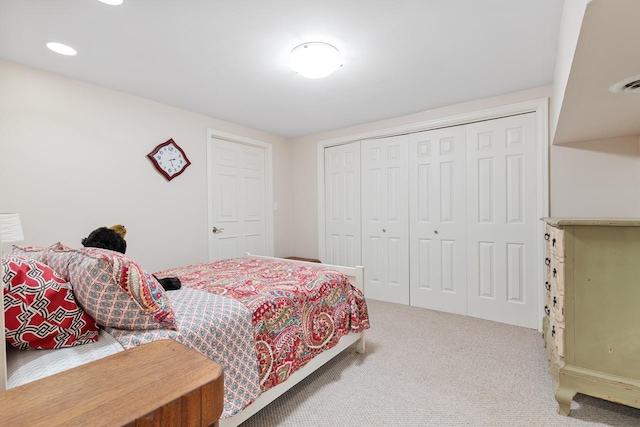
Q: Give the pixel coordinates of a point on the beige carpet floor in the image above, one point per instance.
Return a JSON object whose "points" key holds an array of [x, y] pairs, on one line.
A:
{"points": [[427, 368]]}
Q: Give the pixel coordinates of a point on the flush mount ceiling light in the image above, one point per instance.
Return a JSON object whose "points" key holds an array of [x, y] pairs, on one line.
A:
{"points": [[630, 84], [315, 60], [112, 2], [62, 49]]}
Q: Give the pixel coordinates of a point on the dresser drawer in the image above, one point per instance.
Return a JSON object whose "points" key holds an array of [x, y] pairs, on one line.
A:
{"points": [[547, 299], [557, 336], [556, 275], [556, 241], [556, 304], [548, 232]]}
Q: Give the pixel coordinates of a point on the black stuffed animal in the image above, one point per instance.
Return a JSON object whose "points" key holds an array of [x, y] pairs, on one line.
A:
{"points": [[112, 238], [169, 283], [107, 238]]}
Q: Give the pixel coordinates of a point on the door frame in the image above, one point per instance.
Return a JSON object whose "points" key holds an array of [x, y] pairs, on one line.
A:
{"points": [[539, 106], [268, 167]]}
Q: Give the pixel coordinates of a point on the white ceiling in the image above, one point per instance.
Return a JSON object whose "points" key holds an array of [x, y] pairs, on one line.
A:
{"points": [[228, 59]]}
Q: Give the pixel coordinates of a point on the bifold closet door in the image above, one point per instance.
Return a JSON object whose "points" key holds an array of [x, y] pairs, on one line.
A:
{"points": [[342, 205], [438, 219], [385, 219], [502, 223]]}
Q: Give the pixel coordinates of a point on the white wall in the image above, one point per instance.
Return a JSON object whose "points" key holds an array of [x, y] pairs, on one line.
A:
{"points": [[304, 157], [596, 178], [73, 158], [572, 15]]}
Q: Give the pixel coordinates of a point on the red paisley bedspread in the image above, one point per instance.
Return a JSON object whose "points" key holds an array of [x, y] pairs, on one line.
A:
{"points": [[298, 311]]}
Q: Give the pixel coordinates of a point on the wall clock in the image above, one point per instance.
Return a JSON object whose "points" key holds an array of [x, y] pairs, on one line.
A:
{"points": [[169, 159]]}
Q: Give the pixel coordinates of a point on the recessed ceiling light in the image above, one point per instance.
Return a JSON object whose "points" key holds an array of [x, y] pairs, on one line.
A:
{"points": [[112, 2], [315, 60], [62, 49]]}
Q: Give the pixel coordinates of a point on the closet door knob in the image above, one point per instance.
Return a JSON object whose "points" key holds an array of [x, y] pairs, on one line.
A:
{"points": [[546, 310], [547, 261], [546, 236], [547, 285]]}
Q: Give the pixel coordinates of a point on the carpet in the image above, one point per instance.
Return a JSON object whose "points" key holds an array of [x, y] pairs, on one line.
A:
{"points": [[428, 368]]}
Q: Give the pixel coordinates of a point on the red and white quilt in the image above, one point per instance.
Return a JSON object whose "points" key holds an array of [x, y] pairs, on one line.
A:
{"points": [[298, 311]]}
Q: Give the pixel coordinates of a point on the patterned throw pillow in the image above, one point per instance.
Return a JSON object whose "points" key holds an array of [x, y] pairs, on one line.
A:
{"points": [[37, 253], [40, 309], [114, 289]]}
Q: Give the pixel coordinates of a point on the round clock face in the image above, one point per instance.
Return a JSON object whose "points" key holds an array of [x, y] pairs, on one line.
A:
{"points": [[169, 159]]}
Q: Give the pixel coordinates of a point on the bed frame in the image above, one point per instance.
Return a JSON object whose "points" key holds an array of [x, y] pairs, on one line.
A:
{"points": [[355, 276]]}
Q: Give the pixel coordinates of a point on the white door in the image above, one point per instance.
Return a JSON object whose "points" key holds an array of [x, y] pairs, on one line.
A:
{"points": [[385, 219], [502, 220], [342, 205], [438, 219], [237, 200]]}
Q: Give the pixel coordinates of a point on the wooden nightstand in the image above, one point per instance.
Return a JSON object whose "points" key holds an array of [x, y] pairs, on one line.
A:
{"points": [[162, 383]]}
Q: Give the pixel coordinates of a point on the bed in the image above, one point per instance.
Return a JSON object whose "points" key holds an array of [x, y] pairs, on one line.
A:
{"points": [[276, 321]]}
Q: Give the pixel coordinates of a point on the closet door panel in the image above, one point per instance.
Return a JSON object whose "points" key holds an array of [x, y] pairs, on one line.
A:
{"points": [[342, 205], [502, 223], [385, 228], [437, 182]]}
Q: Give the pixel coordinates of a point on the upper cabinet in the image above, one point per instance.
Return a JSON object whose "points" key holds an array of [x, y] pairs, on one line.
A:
{"points": [[597, 48]]}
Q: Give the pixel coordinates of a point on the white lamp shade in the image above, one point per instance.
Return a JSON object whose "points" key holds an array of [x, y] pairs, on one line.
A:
{"points": [[315, 60], [10, 228]]}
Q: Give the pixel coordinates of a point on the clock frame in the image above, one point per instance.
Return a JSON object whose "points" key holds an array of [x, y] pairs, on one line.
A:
{"points": [[169, 172]]}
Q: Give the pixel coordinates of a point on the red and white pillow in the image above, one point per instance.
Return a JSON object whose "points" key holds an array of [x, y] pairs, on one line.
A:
{"points": [[40, 309]]}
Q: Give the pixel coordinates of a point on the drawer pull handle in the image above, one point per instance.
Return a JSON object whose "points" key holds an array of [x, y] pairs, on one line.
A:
{"points": [[553, 242], [547, 261], [553, 331], [555, 301], [546, 236], [546, 310], [555, 272]]}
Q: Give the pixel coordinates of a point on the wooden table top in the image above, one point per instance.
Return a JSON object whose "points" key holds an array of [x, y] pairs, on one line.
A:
{"points": [[115, 390]]}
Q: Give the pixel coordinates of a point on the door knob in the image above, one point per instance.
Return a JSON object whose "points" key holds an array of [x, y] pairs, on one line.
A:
{"points": [[217, 230]]}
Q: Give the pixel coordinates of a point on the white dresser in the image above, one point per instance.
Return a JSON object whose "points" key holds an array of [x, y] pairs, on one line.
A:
{"points": [[591, 326]]}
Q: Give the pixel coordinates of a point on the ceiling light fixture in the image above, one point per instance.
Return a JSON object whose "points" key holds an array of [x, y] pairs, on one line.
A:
{"points": [[315, 60], [62, 49], [112, 2]]}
